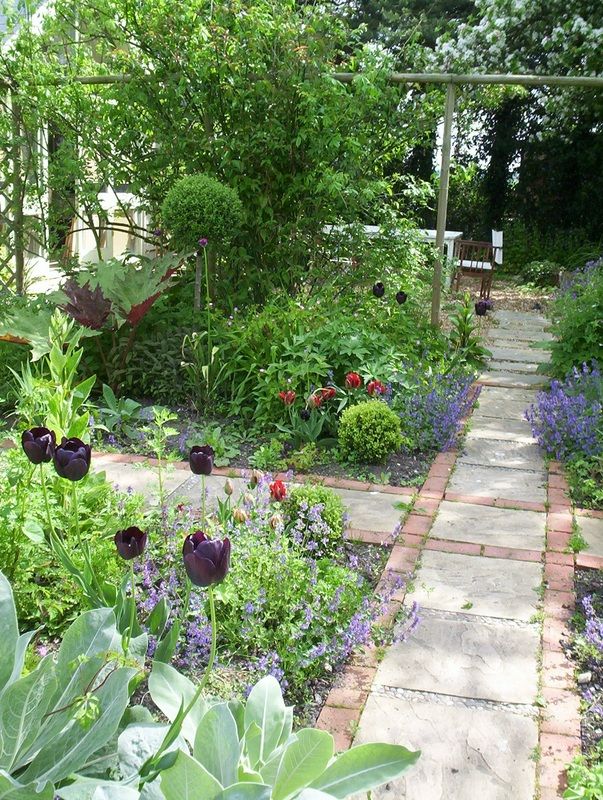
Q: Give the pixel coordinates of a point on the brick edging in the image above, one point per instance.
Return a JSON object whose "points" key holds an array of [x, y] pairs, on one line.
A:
{"points": [[559, 730]]}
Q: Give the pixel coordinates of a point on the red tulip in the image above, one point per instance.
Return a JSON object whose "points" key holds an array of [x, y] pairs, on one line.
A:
{"points": [[353, 380], [328, 393], [375, 387], [288, 397], [278, 490]]}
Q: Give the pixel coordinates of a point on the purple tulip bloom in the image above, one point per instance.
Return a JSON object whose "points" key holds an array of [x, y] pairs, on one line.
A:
{"points": [[72, 459], [401, 297], [481, 307], [130, 542], [38, 444], [206, 560], [202, 242], [378, 289], [201, 459]]}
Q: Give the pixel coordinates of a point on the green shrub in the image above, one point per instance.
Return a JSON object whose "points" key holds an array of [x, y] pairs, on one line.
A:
{"points": [[541, 273], [585, 776], [200, 206], [325, 528], [369, 432], [578, 320], [585, 476]]}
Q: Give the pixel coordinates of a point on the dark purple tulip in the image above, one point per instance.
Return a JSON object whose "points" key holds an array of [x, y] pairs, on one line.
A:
{"points": [[206, 560], [203, 242], [130, 542], [72, 459], [378, 289], [201, 459], [305, 414], [481, 307], [401, 297], [38, 444]]}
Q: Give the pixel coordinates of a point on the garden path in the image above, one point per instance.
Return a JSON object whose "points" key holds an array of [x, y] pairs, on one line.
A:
{"points": [[464, 689]]}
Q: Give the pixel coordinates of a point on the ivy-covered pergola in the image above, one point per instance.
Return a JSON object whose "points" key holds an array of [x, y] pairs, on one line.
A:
{"points": [[13, 194]]}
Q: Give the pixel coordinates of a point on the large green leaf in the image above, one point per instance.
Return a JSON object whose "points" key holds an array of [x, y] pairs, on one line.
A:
{"points": [[245, 791], [22, 708], [364, 767], [314, 794], [93, 789], [20, 651], [266, 708], [217, 744], [189, 780], [10, 789], [72, 747], [303, 760], [170, 690], [9, 632]]}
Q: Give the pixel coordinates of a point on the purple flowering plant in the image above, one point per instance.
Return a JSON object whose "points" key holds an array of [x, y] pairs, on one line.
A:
{"points": [[285, 609], [566, 419]]}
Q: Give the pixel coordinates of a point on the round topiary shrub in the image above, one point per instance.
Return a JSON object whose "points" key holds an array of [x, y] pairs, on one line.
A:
{"points": [[315, 518], [369, 432], [199, 206]]}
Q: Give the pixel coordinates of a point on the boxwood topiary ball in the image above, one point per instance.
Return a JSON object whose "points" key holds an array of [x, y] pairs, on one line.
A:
{"points": [[369, 432]]}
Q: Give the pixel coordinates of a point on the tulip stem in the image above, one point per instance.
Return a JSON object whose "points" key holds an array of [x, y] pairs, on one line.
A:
{"points": [[202, 501], [176, 726], [128, 637], [46, 503]]}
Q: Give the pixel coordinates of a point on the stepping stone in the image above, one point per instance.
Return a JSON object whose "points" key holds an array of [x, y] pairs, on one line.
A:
{"points": [[467, 752], [491, 660], [529, 356], [494, 453], [512, 379], [499, 482], [503, 403], [373, 511], [495, 587], [513, 430], [190, 491], [525, 335], [592, 530], [520, 319], [500, 527], [140, 478], [521, 367]]}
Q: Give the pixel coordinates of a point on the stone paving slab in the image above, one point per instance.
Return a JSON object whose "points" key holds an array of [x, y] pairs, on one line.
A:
{"points": [[500, 409], [510, 484], [189, 492], [142, 479], [520, 367], [520, 320], [514, 380], [490, 587], [532, 334], [500, 527], [373, 511], [512, 430], [467, 753], [529, 355], [491, 660], [592, 531], [496, 453]]}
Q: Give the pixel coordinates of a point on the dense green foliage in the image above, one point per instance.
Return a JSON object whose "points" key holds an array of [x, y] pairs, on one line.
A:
{"points": [[369, 432], [200, 207], [302, 504], [577, 315]]}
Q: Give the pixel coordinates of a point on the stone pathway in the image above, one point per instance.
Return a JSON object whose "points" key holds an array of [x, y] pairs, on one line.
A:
{"points": [[465, 688]]}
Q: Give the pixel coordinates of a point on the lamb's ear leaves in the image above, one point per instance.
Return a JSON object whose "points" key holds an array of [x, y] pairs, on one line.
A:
{"points": [[187, 779], [9, 631], [266, 708], [362, 768]]}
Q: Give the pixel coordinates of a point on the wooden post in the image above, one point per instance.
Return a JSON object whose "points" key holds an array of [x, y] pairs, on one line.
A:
{"points": [[17, 196], [442, 205]]}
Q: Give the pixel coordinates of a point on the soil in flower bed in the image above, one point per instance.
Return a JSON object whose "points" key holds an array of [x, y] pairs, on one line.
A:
{"points": [[401, 469], [589, 665]]}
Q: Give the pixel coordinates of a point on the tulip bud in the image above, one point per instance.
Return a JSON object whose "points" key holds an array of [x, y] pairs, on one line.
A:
{"points": [[248, 499], [256, 477], [228, 487], [275, 521], [239, 515]]}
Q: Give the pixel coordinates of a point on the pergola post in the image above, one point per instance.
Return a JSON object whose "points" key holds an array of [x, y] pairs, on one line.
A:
{"points": [[442, 205], [17, 196]]}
